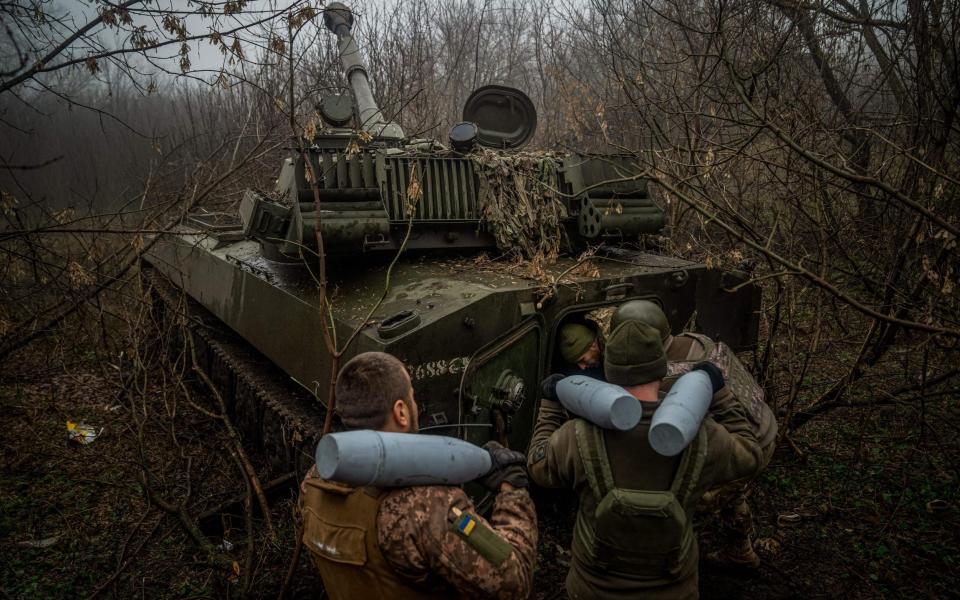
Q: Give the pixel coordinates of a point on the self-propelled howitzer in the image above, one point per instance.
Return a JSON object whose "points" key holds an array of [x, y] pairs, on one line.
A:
{"points": [[476, 334]]}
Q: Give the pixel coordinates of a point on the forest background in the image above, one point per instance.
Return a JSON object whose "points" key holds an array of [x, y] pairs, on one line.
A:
{"points": [[814, 144]]}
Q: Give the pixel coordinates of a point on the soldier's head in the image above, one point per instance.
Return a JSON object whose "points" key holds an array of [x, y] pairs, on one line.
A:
{"points": [[374, 391], [643, 311], [579, 346], [634, 359]]}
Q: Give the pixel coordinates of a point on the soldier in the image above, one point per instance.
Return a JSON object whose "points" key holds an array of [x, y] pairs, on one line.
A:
{"points": [[634, 535], [580, 349], [422, 541], [730, 502]]}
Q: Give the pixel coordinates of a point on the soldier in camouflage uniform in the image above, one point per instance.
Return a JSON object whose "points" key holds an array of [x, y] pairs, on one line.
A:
{"points": [[421, 541], [728, 503], [633, 535]]}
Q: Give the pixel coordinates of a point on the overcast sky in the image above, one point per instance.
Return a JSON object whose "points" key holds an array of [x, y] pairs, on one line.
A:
{"points": [[203, 54]]}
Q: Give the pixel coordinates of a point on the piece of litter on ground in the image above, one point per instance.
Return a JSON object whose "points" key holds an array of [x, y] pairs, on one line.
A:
{"points": [[788, 519], [43, 543], [81, 433]]}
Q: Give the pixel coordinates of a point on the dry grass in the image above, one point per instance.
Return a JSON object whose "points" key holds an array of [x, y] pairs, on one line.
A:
{"points": [[87, 502]]}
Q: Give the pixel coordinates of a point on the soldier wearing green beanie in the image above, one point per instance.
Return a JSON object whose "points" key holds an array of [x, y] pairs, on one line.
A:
{"points": [[634, 355], [633, 535], [580, 348], [728, 504]]}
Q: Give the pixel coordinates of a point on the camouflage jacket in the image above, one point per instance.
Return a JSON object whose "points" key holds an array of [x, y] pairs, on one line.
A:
{"points": [[417, 540], [687, 349]]}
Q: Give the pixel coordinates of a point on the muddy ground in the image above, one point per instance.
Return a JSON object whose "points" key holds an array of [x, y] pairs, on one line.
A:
{"points": [[860, 503]]}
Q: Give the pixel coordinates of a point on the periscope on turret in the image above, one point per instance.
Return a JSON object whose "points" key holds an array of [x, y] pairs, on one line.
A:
{"points": [[476, 335]]}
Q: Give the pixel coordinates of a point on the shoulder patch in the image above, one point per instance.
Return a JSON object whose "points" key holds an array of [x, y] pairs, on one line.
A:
{"points": [[479, 536]]}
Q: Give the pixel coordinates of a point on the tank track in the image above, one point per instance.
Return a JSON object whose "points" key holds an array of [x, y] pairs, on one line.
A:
{"points": [[276, 417]]}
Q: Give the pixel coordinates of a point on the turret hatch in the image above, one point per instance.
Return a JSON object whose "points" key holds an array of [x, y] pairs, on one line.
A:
{"points": [[505, 117]]}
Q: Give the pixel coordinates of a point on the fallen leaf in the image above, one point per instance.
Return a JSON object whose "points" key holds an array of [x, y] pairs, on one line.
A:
{"points": [[767, 546], [43, 543]]}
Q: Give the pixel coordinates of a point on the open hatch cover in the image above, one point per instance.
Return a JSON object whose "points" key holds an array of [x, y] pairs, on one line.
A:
{"points": [[505, 116]]}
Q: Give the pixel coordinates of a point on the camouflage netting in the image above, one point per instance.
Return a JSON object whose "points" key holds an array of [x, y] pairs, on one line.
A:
{"points": [[520, 201]]}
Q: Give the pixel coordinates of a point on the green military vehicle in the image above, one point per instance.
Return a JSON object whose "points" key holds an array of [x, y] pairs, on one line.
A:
{"points": [[477, 334]]}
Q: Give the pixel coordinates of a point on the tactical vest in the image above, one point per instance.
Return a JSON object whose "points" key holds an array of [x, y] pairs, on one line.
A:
{"points": [[741, 383], [637, 534], [340, 531]]}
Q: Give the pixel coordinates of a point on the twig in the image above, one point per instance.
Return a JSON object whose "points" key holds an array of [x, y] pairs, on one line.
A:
{"points": [[238, 498], [248, 524], [292, 567], [813, 278], [36, 330], [234, 436], [186, 520], [122, 567]]}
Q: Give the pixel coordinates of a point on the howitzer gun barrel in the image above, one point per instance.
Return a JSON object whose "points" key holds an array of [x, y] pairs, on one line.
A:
{"points": [[339, 20]]}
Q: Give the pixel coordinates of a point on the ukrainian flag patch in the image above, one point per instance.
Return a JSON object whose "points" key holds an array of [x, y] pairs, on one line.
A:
{"points": [[480, 537], [466, 525]]}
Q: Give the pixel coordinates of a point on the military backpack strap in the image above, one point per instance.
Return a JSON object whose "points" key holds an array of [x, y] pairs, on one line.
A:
{"points": [[593, 455], [691, 465], [709, 344], [375, 492], [695, 353], [679, 368]]}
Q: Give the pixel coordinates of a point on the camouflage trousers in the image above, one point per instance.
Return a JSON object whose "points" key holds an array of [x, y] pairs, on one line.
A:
{"points": [[727, 507]]}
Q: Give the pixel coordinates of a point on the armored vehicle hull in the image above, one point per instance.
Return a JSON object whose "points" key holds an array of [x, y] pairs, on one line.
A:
{"points": [[475, 336]]}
